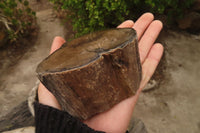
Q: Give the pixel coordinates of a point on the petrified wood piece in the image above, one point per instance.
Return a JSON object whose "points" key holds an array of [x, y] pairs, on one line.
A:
{"points": [[94, 72]]}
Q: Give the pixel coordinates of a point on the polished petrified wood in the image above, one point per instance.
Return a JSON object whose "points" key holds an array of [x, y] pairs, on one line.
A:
{"points": [[92, 73]]}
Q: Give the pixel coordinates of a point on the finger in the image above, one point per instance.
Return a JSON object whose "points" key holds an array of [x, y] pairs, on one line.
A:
{"points": [[126, 24], [150, 63], [148, 39], [57, 43], [142, 23], [46, 97]]}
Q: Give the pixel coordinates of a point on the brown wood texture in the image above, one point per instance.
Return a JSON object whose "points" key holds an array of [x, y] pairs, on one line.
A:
{"points": [[18, 117], [91, 74]]}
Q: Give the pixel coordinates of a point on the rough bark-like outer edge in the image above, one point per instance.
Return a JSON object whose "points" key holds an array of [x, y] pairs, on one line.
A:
{"points": [[70, 94]]}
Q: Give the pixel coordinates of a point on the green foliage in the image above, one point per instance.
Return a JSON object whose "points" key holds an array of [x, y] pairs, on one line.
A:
{"points": [[91, 15], [174, 9], [16, 19]]}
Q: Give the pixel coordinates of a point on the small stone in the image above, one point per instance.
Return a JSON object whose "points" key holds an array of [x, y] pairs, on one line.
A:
{"points": [[137, 126], [150, 85]]}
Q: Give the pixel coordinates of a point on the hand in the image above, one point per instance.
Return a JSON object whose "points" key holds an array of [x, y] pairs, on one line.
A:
{"points": [[116, 120]]}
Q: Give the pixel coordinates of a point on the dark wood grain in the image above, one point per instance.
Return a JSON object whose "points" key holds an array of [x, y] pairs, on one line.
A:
{"points": [[93, 73]]}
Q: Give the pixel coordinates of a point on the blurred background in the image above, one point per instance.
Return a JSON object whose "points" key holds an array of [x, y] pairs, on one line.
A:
{"points": [[170, 102]]}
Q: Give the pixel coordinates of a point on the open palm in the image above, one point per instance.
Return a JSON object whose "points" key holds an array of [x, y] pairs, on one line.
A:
{"points": [[116, 120]]}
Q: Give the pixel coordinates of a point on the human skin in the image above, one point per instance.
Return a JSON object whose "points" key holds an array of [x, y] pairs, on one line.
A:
{"points": [[116, 119]]}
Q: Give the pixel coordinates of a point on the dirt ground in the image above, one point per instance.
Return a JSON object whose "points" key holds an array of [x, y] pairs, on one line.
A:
{"points": [[174, 106], [171, 107], [17, 79]]}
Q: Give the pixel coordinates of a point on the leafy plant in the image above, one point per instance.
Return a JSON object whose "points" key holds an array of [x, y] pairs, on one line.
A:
{"points": [[16, 19], [91, 15], [174, 9]]}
